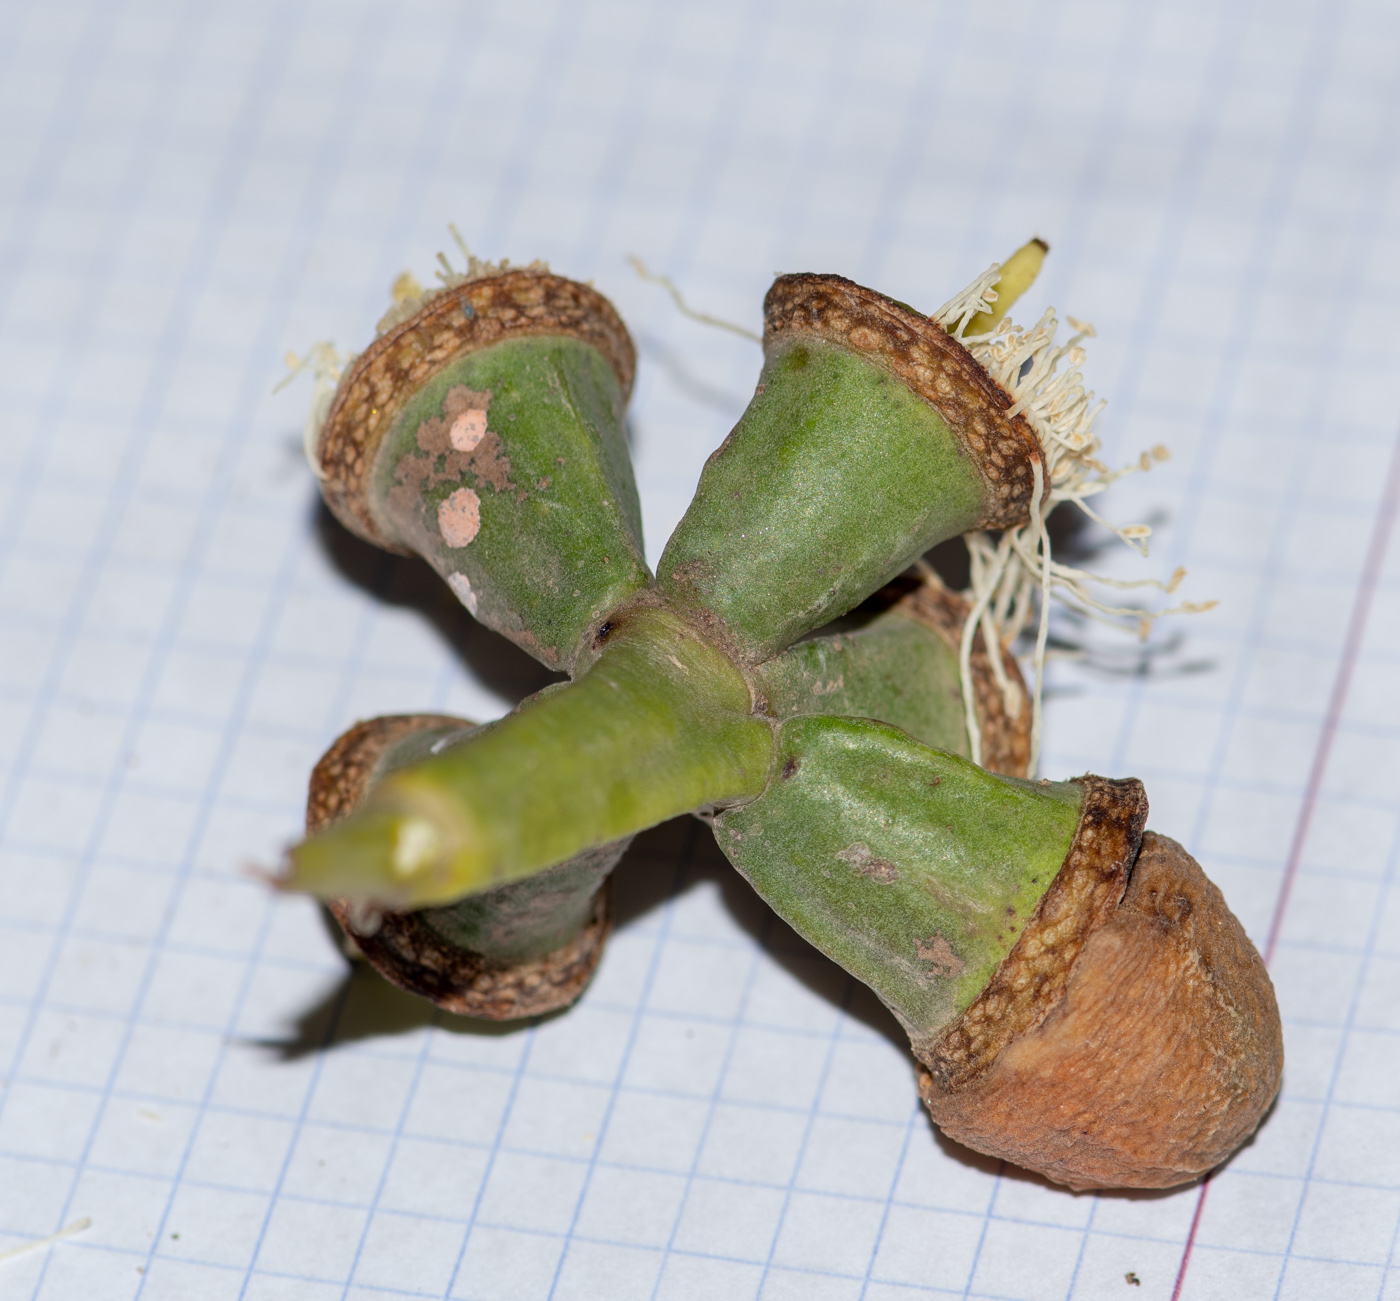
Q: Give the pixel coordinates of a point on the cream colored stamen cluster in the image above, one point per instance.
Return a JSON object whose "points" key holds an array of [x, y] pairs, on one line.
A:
{"points": [[1014, 574], [328, 367], [977, 298], [410, 297]]}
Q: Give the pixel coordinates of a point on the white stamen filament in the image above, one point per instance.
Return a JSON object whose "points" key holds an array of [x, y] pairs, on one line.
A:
{"points": [[1045, 382], [1043, 632], [24, 1248], [326, 367], [685, 309]]}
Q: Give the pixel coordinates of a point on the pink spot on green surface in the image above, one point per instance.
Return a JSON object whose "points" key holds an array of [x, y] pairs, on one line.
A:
{"points": [[459, 516]]}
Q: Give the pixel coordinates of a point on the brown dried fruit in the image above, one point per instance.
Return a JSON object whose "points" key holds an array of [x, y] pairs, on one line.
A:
{"points": [[1160, 1060]]}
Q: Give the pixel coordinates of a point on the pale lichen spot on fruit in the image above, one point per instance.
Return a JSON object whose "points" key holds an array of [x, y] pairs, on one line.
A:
{"points": [[873, 868], [459, 517], [461, 585], [467, 430], [939, 954]]}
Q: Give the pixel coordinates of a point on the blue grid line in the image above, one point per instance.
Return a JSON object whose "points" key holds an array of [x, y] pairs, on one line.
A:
{"points": [[843, 43], [187, 1104], [327, 1042], [916, 1115], [396, 1135], [668, 32], [718, 135], [1089, 1231], [1303, 107], [740, 1019], [62, 127], [1348, 1025], [1273, 565], [71, 621], [380, 1287], [728, 1180], [558, 49], [496, 1148], [356, 664], [293, 549], [280, 586], [812, 1112], [643, 998], [622, 134], [986, 1225], [1258, 1252]]}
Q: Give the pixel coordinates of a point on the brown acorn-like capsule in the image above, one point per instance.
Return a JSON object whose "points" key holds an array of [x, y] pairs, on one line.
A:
{"points": [[1157, 1060]]}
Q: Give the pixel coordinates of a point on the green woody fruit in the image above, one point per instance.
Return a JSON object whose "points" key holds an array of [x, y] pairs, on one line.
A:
{"points": [[512, 369], [485, 433], [1081, 999], [912, 868], [888, 439], [873, 435], [984, 912]]}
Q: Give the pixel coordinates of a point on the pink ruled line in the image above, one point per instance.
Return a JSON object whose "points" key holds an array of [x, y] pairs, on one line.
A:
{"points": [[1341, 686]]}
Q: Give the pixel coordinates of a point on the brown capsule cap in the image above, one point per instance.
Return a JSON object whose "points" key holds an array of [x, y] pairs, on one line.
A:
{"points": [[408, 952], [510, 304], [1006, 741], [922, 354], [1156, 1062]]}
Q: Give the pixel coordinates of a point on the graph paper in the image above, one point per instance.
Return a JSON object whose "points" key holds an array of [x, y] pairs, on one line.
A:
{"points": [[189, 190]]}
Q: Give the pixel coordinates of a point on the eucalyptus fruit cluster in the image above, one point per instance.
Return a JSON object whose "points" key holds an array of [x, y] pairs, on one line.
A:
{"points": [[1079, 997]]}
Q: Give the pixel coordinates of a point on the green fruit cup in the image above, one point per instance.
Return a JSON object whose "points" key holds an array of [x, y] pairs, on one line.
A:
{"points": [[484, 432], [1081, 1000]]}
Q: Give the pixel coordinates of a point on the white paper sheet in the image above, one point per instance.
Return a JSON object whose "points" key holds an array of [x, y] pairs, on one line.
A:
{"points": [[188, 190]]}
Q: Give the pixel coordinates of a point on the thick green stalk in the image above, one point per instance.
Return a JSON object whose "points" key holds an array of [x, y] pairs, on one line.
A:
{"points": [[914, 869], [527, 918], [893, 668], [661, 724]]}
